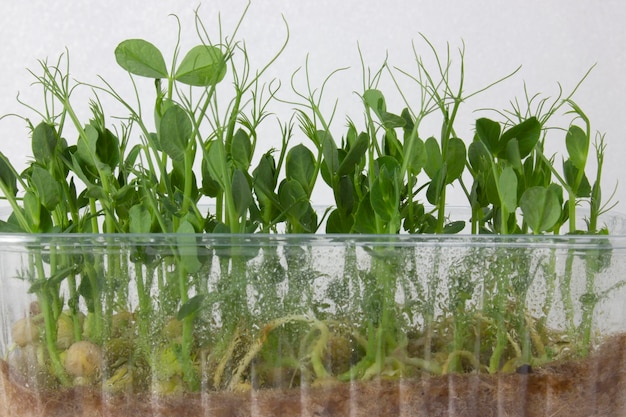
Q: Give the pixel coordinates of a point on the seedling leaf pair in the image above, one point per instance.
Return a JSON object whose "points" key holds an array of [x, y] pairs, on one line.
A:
{"points": [[202, 66], [526, 134]]}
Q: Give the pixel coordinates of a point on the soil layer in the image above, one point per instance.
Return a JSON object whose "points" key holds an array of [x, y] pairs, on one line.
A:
{"points": [[593, 387]]}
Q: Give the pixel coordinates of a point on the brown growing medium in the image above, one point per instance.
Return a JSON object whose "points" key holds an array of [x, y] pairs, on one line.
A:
{"points": [[595, 386]]}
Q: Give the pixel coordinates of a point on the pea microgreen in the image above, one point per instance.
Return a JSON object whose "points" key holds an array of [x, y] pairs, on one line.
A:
{"points": [[187, 163]]}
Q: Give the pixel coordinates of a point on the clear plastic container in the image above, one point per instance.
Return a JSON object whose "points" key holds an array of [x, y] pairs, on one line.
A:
{"points": [[320, 325]]}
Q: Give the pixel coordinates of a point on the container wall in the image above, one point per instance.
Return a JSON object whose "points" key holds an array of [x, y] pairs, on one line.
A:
{"points": [[333, 322]]}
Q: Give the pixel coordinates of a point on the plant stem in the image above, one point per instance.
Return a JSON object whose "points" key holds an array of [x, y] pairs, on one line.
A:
{"points": [[50, 323], [188, 182], [566, 293], [144, 312], [590, 299], [51, 332], [501, 278], [189, 372]]}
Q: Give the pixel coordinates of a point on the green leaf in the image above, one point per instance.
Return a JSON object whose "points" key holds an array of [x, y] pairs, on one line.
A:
{"points": [[339, 223], [96, 192], [454, 227], [433, 192], [108, 148], [384, 196], [44, 285], [434, 160], [179, 177], [507, 185], [242, 196], [537, 172], [375, 100], [491, 188], [527, 134], [307, 223], [330, 153], [577, 144], [264, 178], [187, 246], [40, 220], [87, 148], [479, 157], [131, 157], [392, 145], [264, 183], [355, 155], [385, 191], [57, 278], [175, 132], [44, 143], [351, 136], [203, 66], [8, 227], [215, 161], [570, 171], [540, 207], [221, 228], [512, 154], [558, 192], [142, 58], [88, 293], [32, 209], [293, 198], [365, 218], [161, 105], [409, 124], [192, 306], [210, 186], [415, 216], [415, 153], [300, 166], [488, 132], [47, 188], [153, 138], [241, 149], [388, 162], [344, 195], [139, 219], [7, 175], [392, 121], [455, 159]]}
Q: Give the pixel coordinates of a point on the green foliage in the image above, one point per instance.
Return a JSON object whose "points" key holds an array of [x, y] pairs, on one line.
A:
{"points": [[192, 168], [541, 208], [140, 57], [202, 66], [175, 131]]}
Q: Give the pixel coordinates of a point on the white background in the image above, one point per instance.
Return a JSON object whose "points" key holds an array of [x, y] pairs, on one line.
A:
{"points": [[555, 41]]}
